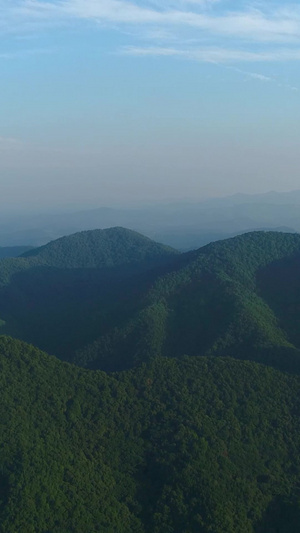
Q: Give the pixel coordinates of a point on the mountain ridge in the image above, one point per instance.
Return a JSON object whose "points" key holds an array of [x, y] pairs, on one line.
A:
{"points": [[111, 299], [207, 303], [108, 247], [184, 225]]}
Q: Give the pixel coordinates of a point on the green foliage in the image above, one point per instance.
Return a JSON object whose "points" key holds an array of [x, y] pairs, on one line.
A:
{"points": [[67, 293], [97, 249], [174, 444], [214, 304], [189, 445], [111, 299]]}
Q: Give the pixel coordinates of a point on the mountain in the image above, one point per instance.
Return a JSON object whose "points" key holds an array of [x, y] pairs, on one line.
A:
{"points": [[62, 295], [112, 299], [187, 239], [180, 445], [193, 430], [98, 249], [231, 298], [184, 225], [108, 248]]}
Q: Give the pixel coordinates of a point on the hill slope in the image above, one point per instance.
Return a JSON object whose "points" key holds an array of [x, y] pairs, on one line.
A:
{"points": [[60, 295], [112, 299], [182, 446], [97, 249], [211, 303]]}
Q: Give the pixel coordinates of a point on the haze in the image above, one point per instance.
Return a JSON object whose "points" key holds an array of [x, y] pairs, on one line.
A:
{"points": [[112, 102]]}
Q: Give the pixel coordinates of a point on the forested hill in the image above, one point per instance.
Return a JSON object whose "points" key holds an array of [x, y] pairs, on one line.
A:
{"points": [[62, 295], [99, 248], [113, 299], [188, 438], [178, 446], [111, 248], [215, 303]]}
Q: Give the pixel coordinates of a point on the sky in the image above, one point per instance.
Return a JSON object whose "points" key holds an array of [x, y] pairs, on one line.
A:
{"points": [[112, 102]]}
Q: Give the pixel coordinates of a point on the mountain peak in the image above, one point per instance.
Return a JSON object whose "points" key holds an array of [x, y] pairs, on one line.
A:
{"points": [[99, 248]]}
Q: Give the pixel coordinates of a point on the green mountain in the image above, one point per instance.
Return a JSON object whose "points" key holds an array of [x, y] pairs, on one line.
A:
{"points": [[189, 433], [98, 249], [112, 299], [62, 295], [110, 248], [177, 445], [222, 300]]}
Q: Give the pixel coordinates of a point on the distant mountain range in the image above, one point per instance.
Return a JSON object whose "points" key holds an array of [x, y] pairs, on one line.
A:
{"points": [[182, 225]]}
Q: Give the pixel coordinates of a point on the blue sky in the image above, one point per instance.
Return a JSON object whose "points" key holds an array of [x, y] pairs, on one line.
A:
{"points": [[107, 102]]}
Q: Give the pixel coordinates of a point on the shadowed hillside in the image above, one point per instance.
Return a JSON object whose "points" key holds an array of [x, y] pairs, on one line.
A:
{"points": [[113, 299], [63, 295], [210, 304]]}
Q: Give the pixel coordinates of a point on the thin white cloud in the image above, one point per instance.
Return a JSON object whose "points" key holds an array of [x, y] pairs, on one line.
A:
{"points": [[257, 76], [252, 24], [258, 25], [263, 78], [217, 55], [253, 32], [225, 58]]}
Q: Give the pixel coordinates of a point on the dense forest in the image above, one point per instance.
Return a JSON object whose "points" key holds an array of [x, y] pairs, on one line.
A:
{"points": [[111, 299], [177, 445], [181, 412]]}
